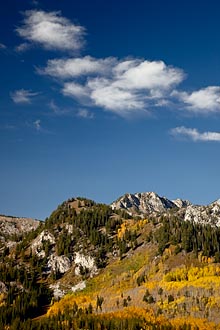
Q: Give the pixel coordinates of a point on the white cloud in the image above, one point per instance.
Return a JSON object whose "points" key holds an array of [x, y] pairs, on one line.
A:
{"points": [[22, 96], [22, 47], [125, 65], [51, 30], [76, 67], [75, 90], [128, 86], [37, 124], [147, 75], [205, 100], [123, 87], [84, 113], [110, 97], [135, 85], [194, 134]]}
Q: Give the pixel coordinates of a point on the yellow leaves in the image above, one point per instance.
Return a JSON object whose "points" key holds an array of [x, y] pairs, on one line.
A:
{"points": [[69, 301], [213, 302], [151, 285], [178, 275], [193, 273], [195, 323], [2, 299], [121, 230], [171, 305], [134, 312], [131, 225], [205, 259], [194, 289], [149, 319]]}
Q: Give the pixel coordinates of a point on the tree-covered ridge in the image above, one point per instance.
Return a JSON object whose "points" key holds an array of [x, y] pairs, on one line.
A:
{"points": [[188, 236], [88, 226], [161, 264], [95, 224]]}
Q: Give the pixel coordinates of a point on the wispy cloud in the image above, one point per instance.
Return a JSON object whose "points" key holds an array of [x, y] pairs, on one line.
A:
{"points": [[22, 47], [194, 135], [37, 124], [204, 101], [8, 127], [60, 111], [84, 113], [57, 110], [77, 67], [51, 30], [22, 96], [2, 46], [34, 2], [53, 106]]}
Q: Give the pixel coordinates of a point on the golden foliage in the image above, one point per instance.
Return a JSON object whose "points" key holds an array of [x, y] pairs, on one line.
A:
{"points": [[193, 274]]}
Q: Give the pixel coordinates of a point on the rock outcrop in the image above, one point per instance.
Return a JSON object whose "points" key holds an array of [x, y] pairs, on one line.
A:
{"points": [[10, 226]]}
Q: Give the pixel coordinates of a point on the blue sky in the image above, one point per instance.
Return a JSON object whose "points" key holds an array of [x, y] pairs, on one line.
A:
{"points": [[99, 98]]}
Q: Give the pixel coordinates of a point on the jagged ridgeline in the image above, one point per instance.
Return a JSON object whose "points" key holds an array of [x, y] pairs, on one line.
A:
{"points": [[143, 262]]}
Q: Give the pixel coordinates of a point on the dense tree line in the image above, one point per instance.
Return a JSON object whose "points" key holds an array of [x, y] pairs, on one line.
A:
{"points": [[26, 294], [83, 319], [95, 224], [188, 236]]}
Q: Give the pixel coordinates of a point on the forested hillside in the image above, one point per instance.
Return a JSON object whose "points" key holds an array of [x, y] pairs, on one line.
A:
{"points": [[94, 266]]}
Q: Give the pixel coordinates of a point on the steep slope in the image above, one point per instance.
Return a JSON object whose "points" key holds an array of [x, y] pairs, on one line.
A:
{"points": [[177, 281]]}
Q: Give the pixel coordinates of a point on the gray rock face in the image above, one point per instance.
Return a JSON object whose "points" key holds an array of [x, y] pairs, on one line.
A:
{"points": [[209, 214], [59, 264], [143, 203], [86, 262], [148, 203], [37, 244], [16, 226], [181, 203]]}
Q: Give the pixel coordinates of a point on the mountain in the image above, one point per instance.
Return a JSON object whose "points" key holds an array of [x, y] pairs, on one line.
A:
{"points": [[143, 203], [209, 214], [149, 203], [142, 262]]}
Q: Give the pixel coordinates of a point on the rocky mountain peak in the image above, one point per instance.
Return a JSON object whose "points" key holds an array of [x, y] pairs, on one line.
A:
{"points": [[148, 203], [144, 203], [181, 203]]}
